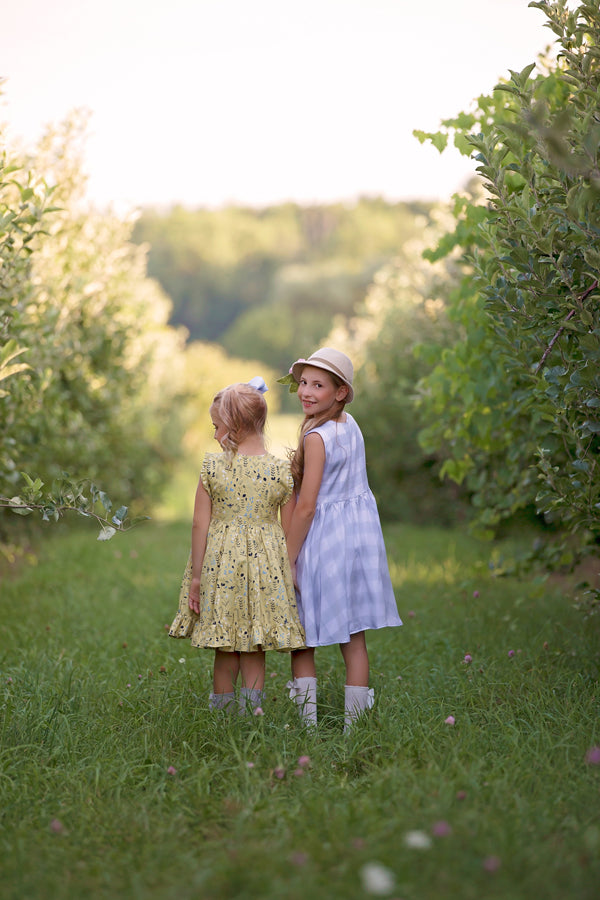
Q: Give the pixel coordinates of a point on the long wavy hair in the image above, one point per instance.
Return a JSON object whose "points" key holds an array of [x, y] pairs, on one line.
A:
{"points": [[243, 411], [297, 456]]}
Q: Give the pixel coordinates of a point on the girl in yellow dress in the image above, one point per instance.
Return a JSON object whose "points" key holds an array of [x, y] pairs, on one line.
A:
{"points": [[237, 594]]}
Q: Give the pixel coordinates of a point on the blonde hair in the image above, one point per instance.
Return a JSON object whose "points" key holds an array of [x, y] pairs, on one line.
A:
{"points": [[310, 422], [243, 411]]}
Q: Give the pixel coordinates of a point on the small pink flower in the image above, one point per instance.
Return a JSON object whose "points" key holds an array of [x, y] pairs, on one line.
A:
{"points": [[299, 859], [545, 645], [249, 765], [128, 684], [172, 770], [592, 757], [492, 863], [57, 826], [411, 614], [273, 674], [358, 843], [468, 658], [9, 680], [303, 761], [511, 652], [298, 773], [450, 720], [259, 711], [139, 677], [461, 795], [441, 829], [475, 594], [279, 772]]}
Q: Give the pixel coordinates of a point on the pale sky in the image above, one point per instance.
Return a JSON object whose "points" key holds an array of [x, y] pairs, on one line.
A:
{"points": [[205, 102]]}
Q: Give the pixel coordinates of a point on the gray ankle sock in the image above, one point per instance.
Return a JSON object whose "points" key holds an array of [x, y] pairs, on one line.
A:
{"points": [[250, 699], [220, 701]]}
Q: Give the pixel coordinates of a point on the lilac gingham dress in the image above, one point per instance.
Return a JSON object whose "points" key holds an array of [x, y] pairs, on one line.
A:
{"points": [[342, 571]]}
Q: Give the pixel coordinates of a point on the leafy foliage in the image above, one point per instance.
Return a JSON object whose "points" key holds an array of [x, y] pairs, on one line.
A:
{"points": [[514, 404], [88, 365], [66, 495], [267, 283]]}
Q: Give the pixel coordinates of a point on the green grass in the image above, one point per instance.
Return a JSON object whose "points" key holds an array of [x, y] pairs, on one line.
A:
{"points": [[97, 706]]}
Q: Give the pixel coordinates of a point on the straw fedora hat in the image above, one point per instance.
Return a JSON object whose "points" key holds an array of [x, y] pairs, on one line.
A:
{"points": [[332, 361]]}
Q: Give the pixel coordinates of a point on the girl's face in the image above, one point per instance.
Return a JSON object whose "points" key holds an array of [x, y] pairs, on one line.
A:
{"points": [[317, 391], [220, 430]]}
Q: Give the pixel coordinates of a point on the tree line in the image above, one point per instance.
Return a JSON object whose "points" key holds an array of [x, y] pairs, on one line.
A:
{"points": [[267, 282]]}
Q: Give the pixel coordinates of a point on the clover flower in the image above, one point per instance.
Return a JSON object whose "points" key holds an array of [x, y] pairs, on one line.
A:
{"points": [[492, 863], [377, 879], [417, 840], [592, 757]]}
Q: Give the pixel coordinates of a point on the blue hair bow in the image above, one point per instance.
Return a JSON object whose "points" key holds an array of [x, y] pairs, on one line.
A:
{"points": [[258, 383]]}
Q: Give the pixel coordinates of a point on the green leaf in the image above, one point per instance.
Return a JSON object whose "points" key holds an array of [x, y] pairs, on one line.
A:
{"points": [[119, 516], [19, 507], [105, 501], [291, 381]]}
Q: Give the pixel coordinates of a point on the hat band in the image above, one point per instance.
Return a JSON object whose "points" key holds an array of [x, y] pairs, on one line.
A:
{"points": [[329, 365]]}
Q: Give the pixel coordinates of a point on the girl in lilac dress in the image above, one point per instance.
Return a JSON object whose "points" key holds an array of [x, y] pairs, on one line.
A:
{"points": [[335, 542]]}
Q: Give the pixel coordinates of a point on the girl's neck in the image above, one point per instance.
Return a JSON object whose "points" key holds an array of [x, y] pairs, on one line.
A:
{"points": [[253, 445]]}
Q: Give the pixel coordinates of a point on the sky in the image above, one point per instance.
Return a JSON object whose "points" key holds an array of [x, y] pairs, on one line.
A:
{"points": [[210, 102]]}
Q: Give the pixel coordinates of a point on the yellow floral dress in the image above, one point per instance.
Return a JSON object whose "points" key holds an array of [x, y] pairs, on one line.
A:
{"points": [[247, 597]]}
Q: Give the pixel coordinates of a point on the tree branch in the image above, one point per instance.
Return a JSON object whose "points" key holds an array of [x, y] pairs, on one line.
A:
{"points": [[548, 349]]}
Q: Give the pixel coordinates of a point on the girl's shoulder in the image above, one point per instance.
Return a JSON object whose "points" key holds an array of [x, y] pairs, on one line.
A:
{"points": [[210, 459], [331, 426], [211, 462]]}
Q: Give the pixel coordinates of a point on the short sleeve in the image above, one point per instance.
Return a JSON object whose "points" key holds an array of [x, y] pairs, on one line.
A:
{"points": [[207, 471], [287, 481]]}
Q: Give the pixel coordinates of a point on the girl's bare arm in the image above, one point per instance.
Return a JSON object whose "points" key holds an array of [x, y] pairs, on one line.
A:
{"points": [[306, 504]]}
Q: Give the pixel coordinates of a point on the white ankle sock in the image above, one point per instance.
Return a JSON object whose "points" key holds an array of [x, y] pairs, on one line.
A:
{"points": [[357, 700], [303, 691]]}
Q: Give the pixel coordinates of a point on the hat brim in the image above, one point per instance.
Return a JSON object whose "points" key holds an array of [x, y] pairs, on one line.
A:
{"points": [[298, 366]]}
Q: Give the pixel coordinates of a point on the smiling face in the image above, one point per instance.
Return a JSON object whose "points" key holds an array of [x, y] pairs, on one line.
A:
{"points": [[318, 392]]}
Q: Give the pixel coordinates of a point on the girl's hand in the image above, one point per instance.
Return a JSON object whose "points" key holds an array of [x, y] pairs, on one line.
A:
{"points": [[194, 598]]}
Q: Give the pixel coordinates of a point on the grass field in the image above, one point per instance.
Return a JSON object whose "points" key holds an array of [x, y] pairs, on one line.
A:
{"points": [[117, 782]]}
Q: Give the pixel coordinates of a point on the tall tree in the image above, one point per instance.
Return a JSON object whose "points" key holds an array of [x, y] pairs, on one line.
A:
{"points": [[515, 405], [88, 359]]}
